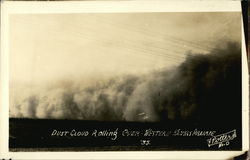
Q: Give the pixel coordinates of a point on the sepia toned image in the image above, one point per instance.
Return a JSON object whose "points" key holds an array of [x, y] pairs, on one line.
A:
{"points": [[166, 81]]}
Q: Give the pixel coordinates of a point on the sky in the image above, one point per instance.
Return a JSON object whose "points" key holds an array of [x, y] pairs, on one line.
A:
{"points": [[49, 47]]}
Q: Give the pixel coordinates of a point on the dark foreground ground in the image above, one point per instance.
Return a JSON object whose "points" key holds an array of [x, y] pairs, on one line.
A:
{"points": [[40, 135]]}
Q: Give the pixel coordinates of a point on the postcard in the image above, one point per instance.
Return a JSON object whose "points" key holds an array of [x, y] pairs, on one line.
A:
{"points": [[123, 80]]}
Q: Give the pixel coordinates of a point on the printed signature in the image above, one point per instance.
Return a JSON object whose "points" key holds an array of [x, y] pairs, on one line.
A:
{"points": [[222, 139]]}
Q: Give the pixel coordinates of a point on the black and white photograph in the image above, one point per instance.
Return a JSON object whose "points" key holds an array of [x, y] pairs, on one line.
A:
{"points": [[125, 81]]}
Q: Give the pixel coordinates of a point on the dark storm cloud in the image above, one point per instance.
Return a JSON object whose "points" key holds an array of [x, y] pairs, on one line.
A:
{"points": [[203, 86]]}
